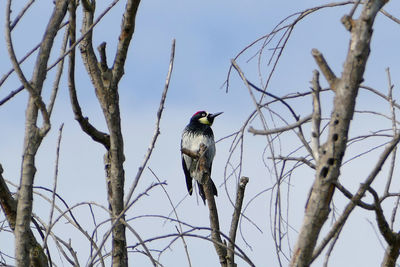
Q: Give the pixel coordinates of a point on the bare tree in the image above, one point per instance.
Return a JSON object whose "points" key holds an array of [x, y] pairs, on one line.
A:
{"points": [[322, 147], [26, 248], [329, 155], [325, 158], [105, 81]]}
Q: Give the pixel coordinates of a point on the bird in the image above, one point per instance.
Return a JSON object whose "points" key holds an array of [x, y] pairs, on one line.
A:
{"points": [[197, 132]]}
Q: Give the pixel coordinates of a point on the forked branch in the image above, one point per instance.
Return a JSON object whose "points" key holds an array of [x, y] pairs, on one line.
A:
{"points": [[225, 253], [212, 207]]}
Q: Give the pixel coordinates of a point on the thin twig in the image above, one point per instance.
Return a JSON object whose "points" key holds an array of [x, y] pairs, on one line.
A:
{"points": [[212, 207], [299, 159], [332, 245], [11, 95], [188, 234], [384, 12], [324, 67], [203, 169], [282, 129], [176, 216], [316, 116], [383, 226], [157, 128], [58, 75], [357, 197], [394, 129], [117, 220], [33, 92], [5, 76], [53, 199], [148, 254], [88, 31], [86, 126], [235, 219], [21, 14]]}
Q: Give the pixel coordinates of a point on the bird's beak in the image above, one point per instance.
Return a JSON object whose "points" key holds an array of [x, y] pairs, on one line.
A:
{"points": [[212, 116]]}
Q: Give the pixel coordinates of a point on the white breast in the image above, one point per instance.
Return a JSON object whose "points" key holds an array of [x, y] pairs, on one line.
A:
{"points": [[192, 142]]}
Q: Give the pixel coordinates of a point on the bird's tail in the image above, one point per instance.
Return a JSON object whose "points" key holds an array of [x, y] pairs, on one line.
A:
{"points": [[201, 190]]}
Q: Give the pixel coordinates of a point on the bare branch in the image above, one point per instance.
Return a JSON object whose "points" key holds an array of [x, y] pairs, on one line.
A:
{"points": [[8, 203], [157, 129], [190, 153], [88, 5], [73, 262], [384, 12], [27, 55], [378, 93], [383, 225], [392, 238], [354, 8], [187, 233], [58, 75], [84, 34], [176, 216], [241, 74], [280, 130], [21, 14], [11, 95], [235, 219], [214, 221], [127, 29], [9, 206], [316, 116], [324, 67], [34, 90], [117, 220], [328, 169], [84, 123], [350, 196], [394, 129], [26, 250], [357, 197], [212, 207], [148, 254], [332, 245], [285, 30], [103, 56], [299, 159], [54, 185], [5, 76], [90, 59]]}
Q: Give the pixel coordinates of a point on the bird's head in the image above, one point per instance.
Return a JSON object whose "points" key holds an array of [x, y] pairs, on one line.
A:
{"points": [[204, 117]]}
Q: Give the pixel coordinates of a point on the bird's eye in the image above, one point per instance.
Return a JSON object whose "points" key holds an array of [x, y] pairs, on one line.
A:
{"points": [[203, 114]]}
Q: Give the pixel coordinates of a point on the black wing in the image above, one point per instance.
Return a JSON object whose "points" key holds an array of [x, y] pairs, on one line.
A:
{"points": [[189, 184], [214, 188], [203, 194]]}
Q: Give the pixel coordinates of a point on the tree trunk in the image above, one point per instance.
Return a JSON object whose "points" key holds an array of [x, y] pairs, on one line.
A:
{"points": [[391, 255], [332, 152], [115, 181], [27, 251]]}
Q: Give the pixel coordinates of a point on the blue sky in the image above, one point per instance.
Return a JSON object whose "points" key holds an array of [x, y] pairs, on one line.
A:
{"points": [[208, 34]]}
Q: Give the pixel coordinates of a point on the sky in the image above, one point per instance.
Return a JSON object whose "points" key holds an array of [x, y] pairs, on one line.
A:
{"points": [[208, 35]]}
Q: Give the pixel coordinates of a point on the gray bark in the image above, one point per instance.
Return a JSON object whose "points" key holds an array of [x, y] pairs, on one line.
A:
{"points": [[27, 251], [105, 81], [332, 151]]}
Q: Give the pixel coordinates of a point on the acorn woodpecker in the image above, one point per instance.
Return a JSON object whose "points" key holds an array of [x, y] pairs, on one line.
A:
{"points": [[198, 131]]}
